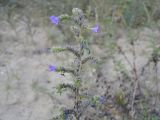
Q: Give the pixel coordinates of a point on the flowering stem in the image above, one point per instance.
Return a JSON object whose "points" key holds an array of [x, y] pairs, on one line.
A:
{"points": [[80, 25]]}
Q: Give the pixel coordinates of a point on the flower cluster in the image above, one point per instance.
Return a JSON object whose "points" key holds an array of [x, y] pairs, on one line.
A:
{"points": [[78, 17]]}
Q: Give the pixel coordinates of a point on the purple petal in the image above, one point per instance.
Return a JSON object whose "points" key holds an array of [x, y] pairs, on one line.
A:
{"points": [[54, 20], [66, 114], [102, 99], [95, 29], [52, 68]]}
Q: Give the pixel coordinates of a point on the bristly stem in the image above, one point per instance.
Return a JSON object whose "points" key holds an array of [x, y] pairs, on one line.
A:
{"points": [[79, 68]]}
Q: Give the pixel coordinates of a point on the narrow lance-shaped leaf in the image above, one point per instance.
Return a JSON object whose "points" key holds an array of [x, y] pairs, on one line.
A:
{"points": [[64, 17], [61, 88], [70, 49], [57, 50]]}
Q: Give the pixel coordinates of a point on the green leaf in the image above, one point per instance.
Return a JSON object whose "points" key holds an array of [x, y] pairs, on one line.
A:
{"points": [[57, 50], [60, 89], [64, 17], [119, 66], [83, 97], [156, 51], [77, 83], [95, 100], [154, 117]]}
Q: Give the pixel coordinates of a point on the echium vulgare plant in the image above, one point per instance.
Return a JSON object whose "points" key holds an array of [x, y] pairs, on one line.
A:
{"points": [[82, 55]]}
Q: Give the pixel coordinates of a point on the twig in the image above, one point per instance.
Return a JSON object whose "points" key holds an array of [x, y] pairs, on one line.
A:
{"points": [[136, 80], [124, 55]]}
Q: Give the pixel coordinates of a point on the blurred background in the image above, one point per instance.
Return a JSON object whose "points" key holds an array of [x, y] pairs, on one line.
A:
{"points": [[27, 87]]}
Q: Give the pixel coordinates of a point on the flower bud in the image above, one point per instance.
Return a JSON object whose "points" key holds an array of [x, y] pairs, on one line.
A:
{"points": [[78, 16], [75, 30], [77, 12]]}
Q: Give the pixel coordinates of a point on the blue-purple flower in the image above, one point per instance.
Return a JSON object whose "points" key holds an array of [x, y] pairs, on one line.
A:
{"points": [[54, 20], [52, 68], [102, 99], [95, 29], [66, 114]]}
